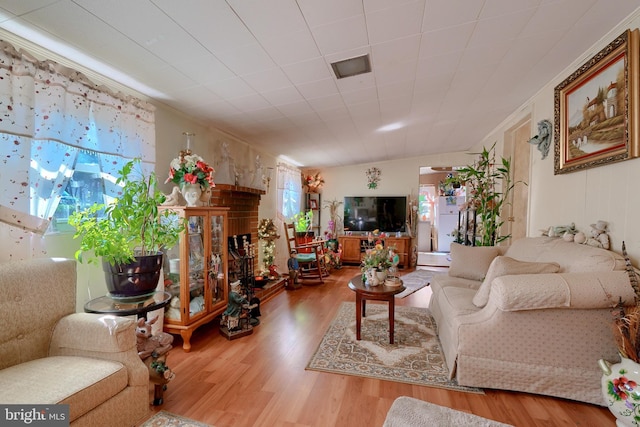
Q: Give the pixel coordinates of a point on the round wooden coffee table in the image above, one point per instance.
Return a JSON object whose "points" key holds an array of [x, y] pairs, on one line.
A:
{"points": [[374, 293]]}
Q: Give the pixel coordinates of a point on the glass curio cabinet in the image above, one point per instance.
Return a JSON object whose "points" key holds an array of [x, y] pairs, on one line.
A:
{"points": [[195, 271]]}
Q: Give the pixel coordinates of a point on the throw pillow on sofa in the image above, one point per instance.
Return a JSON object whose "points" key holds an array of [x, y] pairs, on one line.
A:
{"points": [[504, 266], [471, 262]]}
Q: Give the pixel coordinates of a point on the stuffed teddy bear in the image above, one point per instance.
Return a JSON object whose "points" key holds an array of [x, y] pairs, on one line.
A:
{"points": [[598, 235]]}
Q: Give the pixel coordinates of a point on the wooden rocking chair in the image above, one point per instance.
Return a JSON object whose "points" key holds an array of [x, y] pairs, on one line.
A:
{"points": [[309, 255]]}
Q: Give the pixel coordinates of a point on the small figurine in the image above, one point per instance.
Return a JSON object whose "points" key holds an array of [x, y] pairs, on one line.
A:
{"points": [[149, 345], [294, 269], [231, 316]]}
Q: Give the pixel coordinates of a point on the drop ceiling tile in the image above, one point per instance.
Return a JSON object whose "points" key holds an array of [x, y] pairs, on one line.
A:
{"points": [[397, 22], [272, 18], [394, 51], [396, 90], [493, 8], [439, 14], [359, 82], [367, 94], [291, 48], [295, 108], [286, 95], [249, 103], [308, 71], [337, 36], [205, 69], [20, 7], [231, 88], [213, 23], [399, 72], [267, 80], [317, 13], [266, 114], [246, 59], [442, 42], [327, 102], [500, 29], [318, 88]]}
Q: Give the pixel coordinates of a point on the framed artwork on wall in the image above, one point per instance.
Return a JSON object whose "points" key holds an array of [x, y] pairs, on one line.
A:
{"points": [[596, 108]]}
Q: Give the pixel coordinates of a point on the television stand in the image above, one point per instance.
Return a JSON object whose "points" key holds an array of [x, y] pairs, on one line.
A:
{"points": [[353, 248]]}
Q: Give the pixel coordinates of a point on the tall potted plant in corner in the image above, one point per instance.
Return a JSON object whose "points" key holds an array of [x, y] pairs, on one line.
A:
{"points": [[128, 234], [488, 187]]}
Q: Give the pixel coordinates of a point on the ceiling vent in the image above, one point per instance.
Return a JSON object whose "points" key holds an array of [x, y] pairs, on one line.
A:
{"points": [[352, 67]]}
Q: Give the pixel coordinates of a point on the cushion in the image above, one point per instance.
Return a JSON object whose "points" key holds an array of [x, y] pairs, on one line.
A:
{"points": [[471, 262], [504, 266]]}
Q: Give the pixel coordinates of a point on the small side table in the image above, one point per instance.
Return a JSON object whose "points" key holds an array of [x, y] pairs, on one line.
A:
{"points": [[375, 293], [140, 308]]}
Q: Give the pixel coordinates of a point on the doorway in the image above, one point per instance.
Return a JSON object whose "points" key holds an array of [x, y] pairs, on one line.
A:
{"points": [[518, 149], [433, 229]]}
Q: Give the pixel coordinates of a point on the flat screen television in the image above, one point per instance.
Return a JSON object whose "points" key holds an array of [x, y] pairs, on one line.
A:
{"points": [[369, 213]]}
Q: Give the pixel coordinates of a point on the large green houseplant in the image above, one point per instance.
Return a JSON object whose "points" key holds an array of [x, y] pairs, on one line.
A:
{"points": [[128, 234], [489, 184]]}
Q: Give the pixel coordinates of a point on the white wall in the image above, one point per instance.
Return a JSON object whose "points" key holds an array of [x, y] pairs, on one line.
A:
{"points": [[606, 193]]}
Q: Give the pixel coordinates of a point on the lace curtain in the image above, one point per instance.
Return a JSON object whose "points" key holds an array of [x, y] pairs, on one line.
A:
{"points": [[48, 114], [289, 191]]}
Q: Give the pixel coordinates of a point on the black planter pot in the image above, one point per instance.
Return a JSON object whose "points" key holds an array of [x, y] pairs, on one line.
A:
{"points": [[135, 280]]}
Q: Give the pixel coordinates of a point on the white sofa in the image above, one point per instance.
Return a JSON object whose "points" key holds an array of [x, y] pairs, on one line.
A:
{"points": [[51, 355], [539, 332]]}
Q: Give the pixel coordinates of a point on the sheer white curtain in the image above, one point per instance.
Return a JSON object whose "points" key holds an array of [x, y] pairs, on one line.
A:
{"points": [[48, 113], [289, 191]]}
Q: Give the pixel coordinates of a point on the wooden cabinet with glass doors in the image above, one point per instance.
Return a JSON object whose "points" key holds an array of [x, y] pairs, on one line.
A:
{"points": [[195, 271]]}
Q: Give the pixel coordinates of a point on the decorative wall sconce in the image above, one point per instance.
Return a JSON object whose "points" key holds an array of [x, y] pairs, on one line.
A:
{"points": [[266, 178]]}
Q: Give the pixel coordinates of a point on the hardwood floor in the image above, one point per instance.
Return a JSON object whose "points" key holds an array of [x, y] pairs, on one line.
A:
{"points": [[260, 379]]}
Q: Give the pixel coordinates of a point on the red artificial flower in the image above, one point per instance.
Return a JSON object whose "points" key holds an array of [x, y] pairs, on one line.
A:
{"points": [[191, 178]]}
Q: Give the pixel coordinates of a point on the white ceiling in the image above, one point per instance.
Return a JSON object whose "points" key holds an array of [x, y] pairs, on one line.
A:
{"points": [[448, 70]]}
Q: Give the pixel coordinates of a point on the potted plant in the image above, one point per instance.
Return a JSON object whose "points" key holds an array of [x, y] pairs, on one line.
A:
{"points": [[128, 234], [488, 187], [302, 222]]}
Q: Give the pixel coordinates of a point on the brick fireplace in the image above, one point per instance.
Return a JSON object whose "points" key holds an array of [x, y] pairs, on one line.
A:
{"points": [[243, 203]]}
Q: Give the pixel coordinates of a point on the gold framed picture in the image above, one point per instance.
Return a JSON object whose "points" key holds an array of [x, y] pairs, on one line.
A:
{"points": [[596, 109]]}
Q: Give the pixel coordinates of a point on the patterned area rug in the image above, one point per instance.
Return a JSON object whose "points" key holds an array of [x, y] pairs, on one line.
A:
{"points": [[410, 412], [415, 358], [415, 281], [167, 419]]}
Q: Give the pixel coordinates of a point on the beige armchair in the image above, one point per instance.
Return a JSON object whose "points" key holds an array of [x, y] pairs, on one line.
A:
{"points": [[51, 355]]}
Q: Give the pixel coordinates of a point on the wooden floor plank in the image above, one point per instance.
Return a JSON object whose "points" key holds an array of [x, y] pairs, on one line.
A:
{"points": [[260, 379]]}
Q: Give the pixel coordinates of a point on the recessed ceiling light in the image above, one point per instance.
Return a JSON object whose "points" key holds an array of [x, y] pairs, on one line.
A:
{"points": [[352, 66]]}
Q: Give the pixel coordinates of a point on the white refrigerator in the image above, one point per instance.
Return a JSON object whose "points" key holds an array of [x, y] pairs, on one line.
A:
{"points": [[447, 220]]}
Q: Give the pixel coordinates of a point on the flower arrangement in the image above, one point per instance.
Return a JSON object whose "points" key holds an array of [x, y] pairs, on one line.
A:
{"points": [[313, 183], [379, 257], [268, 233], [190, 168]]}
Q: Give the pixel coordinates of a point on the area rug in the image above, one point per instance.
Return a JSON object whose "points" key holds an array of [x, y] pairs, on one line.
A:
{"points": [[410, 412], [415, 358], [167, 419], [415, 281]]}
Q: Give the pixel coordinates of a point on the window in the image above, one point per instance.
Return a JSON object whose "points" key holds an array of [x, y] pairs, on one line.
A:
{"points": [[289, 192], [62, 140]]}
